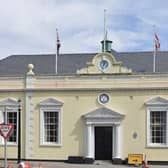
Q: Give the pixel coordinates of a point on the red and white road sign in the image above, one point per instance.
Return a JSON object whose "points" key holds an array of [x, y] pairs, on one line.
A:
{"points": [[6, 130]]}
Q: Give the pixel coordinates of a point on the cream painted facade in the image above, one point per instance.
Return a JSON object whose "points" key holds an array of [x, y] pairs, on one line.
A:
{"points": [[75, 98]]}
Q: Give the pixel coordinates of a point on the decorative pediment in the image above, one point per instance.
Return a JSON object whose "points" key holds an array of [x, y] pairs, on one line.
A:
{"points": [[50, 102], [104, 63], [157, 101], [103, 113], [9, 102]]}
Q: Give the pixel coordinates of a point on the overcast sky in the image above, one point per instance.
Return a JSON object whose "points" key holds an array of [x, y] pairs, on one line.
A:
{"points": [[29, 26]]}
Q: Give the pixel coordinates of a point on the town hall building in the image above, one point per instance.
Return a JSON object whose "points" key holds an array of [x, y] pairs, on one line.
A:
{"points": [[99, 106]]}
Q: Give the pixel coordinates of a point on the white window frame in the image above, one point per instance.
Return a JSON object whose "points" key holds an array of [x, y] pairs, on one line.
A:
{"points": [[149, 110], [50, 109], [2, 111]]}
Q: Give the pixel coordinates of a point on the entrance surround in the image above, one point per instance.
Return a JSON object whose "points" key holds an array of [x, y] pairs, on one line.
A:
{"points": [[103, 117]]}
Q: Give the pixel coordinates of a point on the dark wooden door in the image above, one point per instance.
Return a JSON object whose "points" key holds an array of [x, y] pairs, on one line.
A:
{"points": [[103, 143]]}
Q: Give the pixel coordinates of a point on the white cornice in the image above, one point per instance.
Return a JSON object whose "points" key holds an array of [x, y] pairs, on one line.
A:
{"points": [[100, 82]]}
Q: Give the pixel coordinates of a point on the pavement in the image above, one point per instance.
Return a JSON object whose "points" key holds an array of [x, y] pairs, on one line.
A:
{"points": [[97, 164]]}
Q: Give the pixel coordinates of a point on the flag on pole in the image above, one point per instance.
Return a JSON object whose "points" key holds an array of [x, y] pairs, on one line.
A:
{"points": [[58, 41], [157, 42], [58, 45], [156, 48]]}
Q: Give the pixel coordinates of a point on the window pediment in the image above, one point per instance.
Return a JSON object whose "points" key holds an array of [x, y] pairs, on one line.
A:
{"points": [[103, 113], [157, 101], [50, 102], [9, 102]]}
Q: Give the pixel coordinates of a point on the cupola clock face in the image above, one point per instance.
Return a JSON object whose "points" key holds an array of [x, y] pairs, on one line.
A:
{"points": [[103, 64]]}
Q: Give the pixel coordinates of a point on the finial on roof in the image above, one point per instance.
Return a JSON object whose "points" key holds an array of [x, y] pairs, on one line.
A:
{"points": [[30, 69]]}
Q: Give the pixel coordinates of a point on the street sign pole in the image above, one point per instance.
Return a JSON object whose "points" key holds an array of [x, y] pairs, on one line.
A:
{"points": [[5, 146], [19, 132], [5, 154], [6, 129]]}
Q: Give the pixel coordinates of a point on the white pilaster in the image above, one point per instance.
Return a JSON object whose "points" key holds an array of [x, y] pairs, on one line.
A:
{"points": [[90, 141], [29, 126], [29, 114], [118, 142]]}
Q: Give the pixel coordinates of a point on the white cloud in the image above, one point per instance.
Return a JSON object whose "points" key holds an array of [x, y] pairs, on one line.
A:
{"points": [[28, 26]]}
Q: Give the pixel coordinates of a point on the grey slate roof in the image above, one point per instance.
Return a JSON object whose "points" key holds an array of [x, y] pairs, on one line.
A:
{"points": [[143, 61], [69, 63], [43, 64]]}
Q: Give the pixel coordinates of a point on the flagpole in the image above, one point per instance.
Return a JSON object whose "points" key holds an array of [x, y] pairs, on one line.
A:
{"points": [[56, 54], [156, 47], [58, 44], [154, 57], [56, 62], [104, 29]]}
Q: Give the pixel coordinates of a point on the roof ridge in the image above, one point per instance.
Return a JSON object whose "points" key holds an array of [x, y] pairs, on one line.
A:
{"points": [[140, 52], [49, 54]]}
